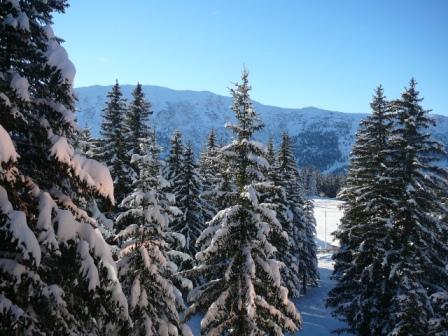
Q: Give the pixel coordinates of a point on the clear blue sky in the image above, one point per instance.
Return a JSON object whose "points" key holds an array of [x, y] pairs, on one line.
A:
{"points": [[325, 53]]}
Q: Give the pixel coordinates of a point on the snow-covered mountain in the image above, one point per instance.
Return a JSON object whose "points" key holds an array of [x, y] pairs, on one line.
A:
{"points": [[322, 138]]}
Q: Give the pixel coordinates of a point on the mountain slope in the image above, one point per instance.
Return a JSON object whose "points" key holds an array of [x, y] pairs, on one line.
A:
{"points": [[322, 138]]}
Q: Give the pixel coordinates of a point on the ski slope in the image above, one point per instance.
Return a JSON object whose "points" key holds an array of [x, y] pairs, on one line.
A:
{"points": [[317, 319]]}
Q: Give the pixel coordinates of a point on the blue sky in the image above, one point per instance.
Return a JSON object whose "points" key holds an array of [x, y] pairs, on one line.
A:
{"points": [[325, 53]]}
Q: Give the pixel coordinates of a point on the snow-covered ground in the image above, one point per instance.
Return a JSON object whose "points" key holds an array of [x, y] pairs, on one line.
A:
{"points": [[317, 319]]}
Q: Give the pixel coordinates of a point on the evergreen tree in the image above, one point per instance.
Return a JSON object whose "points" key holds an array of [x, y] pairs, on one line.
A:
{"points": [[209, 172], [174, 161], [310, 273], [365, 226], [242, 293], [390, 278], [188, 200], [418, 276], [136, 121], [147, 271], [287, 252], [57, 275], [113, 145], [302, 245]]}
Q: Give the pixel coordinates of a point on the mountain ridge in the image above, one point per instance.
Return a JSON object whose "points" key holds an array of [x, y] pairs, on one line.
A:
{"points": [[322, 138]]}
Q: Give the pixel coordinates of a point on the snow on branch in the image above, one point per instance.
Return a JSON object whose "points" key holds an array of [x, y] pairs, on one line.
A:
{"points": [[90, 171], [7, 150]]}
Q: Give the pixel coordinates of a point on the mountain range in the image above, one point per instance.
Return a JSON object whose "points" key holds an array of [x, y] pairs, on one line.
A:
{"points": [[322, 138]]}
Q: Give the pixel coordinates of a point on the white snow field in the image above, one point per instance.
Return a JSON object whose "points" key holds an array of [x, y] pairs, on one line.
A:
{"points": [[317, 319], [328, 214]]}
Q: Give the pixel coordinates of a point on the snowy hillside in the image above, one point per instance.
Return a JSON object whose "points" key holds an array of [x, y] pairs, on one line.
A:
{"points": [[322, 138]]}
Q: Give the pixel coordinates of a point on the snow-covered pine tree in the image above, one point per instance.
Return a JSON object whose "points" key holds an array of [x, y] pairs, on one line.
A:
{"points": [[112, 149], [310, 276], [418, 259], [174, 160], [359, 297], [136, 121], [147, 271], [287, 251], [302, 244], [271, 156], [389, 271], [57, 275], [242, 293], [210, 177], [188, 200]]}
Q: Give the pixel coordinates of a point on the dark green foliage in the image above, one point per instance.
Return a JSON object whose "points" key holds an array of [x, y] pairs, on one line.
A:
{"points": [[136, 121], [188, 200], [113, 149]]}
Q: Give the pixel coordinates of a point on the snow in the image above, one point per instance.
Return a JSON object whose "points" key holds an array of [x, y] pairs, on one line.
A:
{"points": [[317, 319], [328, 215], [20, 85], [17, 226], [7, 306], [7, 150], [90, 171], [88, 269], [14, 3], [57, 57], [6, 100]]}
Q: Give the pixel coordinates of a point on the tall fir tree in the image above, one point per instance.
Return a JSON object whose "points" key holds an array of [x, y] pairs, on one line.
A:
{"points": [[287, 251], [136, 121], [113, 145], [419, 252], [242, 293], [209, 172], [302, 244], [365, 228], [147, 271], [189, 201], [174, 160], [57, 275]]}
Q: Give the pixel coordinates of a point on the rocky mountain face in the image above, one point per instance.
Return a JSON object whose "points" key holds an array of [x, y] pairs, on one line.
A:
{"points": [[322, 138]]}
